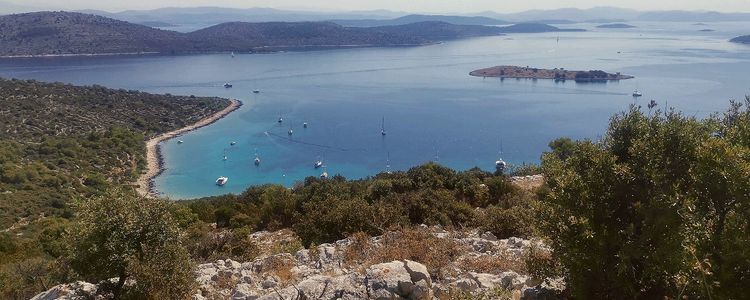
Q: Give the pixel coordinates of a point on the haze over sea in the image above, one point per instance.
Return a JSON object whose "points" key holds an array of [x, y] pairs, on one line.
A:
{"points": [[434, 111]]}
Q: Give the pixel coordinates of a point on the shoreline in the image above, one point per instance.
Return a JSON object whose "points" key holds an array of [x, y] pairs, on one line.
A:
{"points": [[154, 159]]}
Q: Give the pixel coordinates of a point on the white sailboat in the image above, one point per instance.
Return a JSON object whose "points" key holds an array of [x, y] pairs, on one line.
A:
{"points": [[256, 161]]}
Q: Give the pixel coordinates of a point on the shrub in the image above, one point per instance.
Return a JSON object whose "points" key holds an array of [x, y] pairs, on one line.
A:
{"points": [[121, 235]]}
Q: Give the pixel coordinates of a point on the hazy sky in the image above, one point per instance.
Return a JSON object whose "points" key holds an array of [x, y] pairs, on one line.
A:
{"points": [[454, 6]]}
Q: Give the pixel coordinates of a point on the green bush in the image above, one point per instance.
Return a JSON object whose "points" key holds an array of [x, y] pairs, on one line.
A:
{"points": [[658, 209]]}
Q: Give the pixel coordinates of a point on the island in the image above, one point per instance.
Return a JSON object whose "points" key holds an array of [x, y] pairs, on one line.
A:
{"points": [[616, 26], [745, 39], [558, 74]]}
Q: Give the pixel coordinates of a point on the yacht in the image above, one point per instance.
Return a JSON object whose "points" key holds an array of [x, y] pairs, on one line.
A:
{"points": [[233, 143], [637, 93], [318, 164], [304, 125], [227, 85], [221, 181], [180, 141], [500, 166], [256, 91], [281, 119], [257, 160], [290, 131], [324, 175]]}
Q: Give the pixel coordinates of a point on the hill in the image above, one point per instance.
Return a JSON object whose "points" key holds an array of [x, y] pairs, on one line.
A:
{"points": [[65, 33], [745, 39], [436, 31], [615, 26], [241, 36], [457, 20], [534, 28], [73, 33]]}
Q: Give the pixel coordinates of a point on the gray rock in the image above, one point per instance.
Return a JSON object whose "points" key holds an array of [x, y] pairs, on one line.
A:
{"points": [[72, 291], [244, 291], [407, 279]]}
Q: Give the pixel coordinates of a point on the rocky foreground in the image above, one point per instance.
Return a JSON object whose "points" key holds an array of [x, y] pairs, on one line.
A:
{"points": [[455, 265]]}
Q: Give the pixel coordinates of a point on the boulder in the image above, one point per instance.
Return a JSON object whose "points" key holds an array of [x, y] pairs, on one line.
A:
{"points": [[244, 291], [407, 279]]}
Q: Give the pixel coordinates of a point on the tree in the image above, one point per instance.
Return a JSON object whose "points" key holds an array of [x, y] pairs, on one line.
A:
{"points": [[120, 235], [658, 209]]}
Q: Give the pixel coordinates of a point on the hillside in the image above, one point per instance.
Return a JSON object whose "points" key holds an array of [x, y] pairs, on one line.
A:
{"points": [[74, 33], [745, 39], [409, 19], [534, 28], [241, 36], [61, 141], [436, 31]]}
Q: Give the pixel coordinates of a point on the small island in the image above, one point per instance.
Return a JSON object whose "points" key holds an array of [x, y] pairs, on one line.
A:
{"points": [[558, 74], [616, 26]]}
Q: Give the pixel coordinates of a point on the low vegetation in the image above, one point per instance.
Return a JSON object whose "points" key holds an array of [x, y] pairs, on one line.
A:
{"points": [[59, 143]]}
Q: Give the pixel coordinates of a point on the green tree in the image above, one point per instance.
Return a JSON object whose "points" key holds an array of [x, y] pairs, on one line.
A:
{"points": [[657, 209], [121, 235]]}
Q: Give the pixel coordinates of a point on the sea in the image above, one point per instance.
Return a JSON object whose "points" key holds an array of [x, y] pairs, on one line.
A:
{"points": [[423, 97]]}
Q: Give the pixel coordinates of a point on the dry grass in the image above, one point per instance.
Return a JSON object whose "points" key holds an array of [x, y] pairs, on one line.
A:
{"points": [[412, 244], [491, 264]]}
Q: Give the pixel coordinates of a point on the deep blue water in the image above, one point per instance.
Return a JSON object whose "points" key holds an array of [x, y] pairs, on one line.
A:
{"points": [[433, 110]]}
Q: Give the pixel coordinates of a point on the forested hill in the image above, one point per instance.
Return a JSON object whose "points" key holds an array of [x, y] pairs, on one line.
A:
{"points": [[55, 33], [66, 33], [60, 141]]}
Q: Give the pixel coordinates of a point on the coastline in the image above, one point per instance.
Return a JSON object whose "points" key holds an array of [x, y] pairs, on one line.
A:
{"points": [[154, 159]]}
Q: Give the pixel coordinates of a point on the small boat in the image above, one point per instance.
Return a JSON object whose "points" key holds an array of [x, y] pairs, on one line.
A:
{"points": [[233, 143], [318, 164], [304, 125], [281, 120], [256, 91], [221, 181], [225, 157], [227, 85], [500, 166], [290, 132], [232, 54], [257, 161], [324, 175], [637, 93], [382, 127], [180, 141]]}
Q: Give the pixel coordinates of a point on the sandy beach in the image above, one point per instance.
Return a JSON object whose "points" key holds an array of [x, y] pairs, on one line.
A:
{"points": [[154, 163]]}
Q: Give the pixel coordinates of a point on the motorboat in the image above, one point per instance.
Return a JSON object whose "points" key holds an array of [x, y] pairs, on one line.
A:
{"points": [[221, 181]]}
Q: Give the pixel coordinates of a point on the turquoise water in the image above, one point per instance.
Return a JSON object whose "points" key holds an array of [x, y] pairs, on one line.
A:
{"points": [[433, 110]]}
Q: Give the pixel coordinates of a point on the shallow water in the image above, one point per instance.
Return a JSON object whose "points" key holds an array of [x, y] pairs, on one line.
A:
{"points": [[433, 110]]}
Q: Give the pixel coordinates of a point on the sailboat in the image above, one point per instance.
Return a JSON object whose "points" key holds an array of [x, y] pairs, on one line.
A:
{"points": [[256, 161], [324, 175], [232, 53], [281, 120], [225, 154], [221, 181], [382, 127], [290, 130]]}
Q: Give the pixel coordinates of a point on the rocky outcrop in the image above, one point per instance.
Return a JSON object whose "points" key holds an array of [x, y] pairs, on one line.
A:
{"points": [[327, 272]]}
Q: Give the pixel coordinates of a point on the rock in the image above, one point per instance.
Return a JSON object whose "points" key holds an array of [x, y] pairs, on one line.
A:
{"points": [[407, 279], [233, 264], [467, 284], [488, 236], [323, 287], [76, 290], [244, 291], [269, 282], [551, 289]]}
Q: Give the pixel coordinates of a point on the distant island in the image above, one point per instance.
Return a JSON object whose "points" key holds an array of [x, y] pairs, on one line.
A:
{"points": [[745, 39], [535, 28], [556, 74], [67, 33], [616, 26], [156, 24], [706, 30]]}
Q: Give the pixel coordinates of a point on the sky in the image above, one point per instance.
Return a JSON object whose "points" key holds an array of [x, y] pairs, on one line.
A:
{"points": [[433, 6]]}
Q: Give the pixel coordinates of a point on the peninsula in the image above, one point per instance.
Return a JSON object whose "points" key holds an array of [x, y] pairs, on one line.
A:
{"points": [[556, 74]]}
